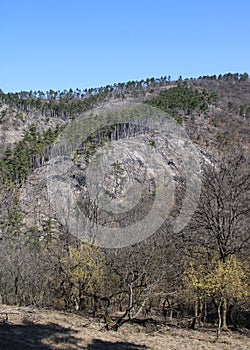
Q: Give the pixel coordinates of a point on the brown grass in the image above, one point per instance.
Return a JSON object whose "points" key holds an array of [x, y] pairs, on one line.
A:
{"points": [[44, 329]]}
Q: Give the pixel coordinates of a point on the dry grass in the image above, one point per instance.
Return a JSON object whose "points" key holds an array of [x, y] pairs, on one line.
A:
{"points": [[44, 329]]}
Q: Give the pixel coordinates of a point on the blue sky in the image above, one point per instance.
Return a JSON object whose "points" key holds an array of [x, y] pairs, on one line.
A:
{"points": [[49, 44]]}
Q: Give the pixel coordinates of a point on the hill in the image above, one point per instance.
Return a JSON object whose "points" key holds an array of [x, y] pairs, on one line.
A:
{"points": [[45, 329], [129, 202]]}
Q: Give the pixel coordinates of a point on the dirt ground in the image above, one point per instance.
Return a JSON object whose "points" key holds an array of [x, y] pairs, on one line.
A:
{"points": [[28, 328]]}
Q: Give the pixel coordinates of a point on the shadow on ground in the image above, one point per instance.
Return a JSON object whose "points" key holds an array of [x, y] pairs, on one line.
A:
{"points": [[98, 344], [29, 336]]}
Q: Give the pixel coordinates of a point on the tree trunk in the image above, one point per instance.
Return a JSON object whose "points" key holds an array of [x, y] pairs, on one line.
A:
{"points": [[205, 312], [219, 319], [193, 324], [224, 314], [131, 300], [201, 306], [171, 315]]}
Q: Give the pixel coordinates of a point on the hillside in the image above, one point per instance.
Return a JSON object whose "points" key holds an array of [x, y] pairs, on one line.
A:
{"points": [[46, 110], [45, 329], [127, 203]]}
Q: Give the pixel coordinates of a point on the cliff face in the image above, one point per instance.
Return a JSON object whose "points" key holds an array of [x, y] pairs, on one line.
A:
{"points": [[137, 168], [113, 163], [14, 124]]}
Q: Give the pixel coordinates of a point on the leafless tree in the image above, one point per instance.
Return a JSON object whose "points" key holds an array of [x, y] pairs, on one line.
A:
{"points": [[222, 219], [144, 271]]}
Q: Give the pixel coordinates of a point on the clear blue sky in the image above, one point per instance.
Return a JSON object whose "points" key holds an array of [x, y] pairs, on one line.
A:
{"points": [[58, 44]]}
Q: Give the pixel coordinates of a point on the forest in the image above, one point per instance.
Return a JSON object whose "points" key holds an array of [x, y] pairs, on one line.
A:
{"points": [[191, 278]]}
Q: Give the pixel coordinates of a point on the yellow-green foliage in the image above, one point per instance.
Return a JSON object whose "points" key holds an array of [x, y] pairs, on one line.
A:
{"points": [[84, 267], [227, 279], [220, 279], [196, 269]]}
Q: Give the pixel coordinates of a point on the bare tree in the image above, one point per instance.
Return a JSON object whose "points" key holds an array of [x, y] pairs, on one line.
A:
{"points": [[221, 223], [222, 219], [144, 271]]}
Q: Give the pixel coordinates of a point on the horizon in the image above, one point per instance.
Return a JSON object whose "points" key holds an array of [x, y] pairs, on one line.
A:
{"points": [[125, 82], [77, 44]]}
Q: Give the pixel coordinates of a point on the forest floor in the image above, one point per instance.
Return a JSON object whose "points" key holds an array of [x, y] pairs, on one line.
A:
{"points": [[29, 328]]}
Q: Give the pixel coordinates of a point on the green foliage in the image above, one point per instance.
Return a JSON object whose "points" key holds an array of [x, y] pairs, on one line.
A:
{"points": [[244, 110], [27, 154], [12, 223], [152, 143], [70, 103], [179, 119], [183, 98]]}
